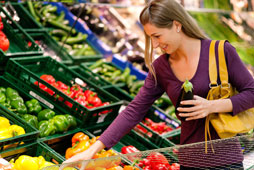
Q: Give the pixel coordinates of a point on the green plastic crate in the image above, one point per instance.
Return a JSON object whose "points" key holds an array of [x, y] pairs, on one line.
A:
{"points": [[30, 135], [174, 136], [28, 96], [51, 47], [26, 21], [18, 41], [29, 69], [91, 77], [34, 149]]}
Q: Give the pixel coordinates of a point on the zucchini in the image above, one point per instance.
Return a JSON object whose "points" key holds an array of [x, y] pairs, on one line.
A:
{"points": [[186, 94]]}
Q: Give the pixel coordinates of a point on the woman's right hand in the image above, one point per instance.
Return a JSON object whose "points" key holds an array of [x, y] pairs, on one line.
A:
{"points": [[79, 159]]}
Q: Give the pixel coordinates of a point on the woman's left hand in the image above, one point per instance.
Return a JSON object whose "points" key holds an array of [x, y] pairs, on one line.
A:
{"points": [[200, 109]]}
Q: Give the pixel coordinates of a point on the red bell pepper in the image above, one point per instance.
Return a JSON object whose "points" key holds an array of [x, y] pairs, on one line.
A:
{"points": [[105, 111], [62, 86], [175, 166], [161, 167], [156, 157], [4, 45], [81, 100], [48, 78], [147, 168], [129, 149], [94, 100], [76, 89], [88, 93]]}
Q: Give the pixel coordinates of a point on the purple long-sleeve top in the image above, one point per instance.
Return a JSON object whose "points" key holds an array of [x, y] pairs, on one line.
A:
{"points": [[191, 131]]}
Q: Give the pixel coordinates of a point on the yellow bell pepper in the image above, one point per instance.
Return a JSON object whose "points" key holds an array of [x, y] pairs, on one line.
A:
{"points": [[27, 163], [16, 130], [4, 123]]}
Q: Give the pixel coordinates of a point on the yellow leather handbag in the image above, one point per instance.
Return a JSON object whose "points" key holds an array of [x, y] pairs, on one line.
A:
{"points": [[225, 124]]}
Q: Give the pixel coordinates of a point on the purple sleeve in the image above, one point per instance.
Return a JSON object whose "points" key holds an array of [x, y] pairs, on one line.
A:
{"points": [[132, 114], [241, 79]]}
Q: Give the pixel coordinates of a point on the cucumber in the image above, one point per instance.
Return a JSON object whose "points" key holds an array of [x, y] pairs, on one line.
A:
{"points": [[62, 26], [186, 94], [98, 63], [58, 32], [60, 18], [31, 9], [76, 40]]}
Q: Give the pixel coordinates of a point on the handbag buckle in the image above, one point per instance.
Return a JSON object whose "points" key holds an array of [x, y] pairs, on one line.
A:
{"points": [[213, 85], [225, 85]]}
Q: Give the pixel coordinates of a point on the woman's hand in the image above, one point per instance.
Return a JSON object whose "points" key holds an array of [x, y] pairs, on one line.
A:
{"points": [[79, 159], [201, 108]]}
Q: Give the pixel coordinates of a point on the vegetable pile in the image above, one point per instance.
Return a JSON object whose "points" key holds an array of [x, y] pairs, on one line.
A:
{"points": [[46, 14], [32, 112], [87, 98]]}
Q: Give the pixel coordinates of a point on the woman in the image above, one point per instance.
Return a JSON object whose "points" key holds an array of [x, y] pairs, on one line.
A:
{"points": [[186, 49]]}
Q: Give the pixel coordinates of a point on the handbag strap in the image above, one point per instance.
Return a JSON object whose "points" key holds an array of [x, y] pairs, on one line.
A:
{"points": [[223, 71], [222, 64], [213, 77], [212, 65]]}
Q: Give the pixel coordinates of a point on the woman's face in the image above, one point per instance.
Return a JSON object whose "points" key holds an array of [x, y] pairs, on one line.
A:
{"points": [[166, 39]]}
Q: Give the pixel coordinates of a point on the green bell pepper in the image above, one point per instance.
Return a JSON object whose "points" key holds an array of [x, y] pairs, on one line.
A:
{"points": [[46, 114], [11, 92], [2, 90], [30, 119], [18, 106], [2, 97], [71, 120], [33, 106], [61, 123], [46, 128]]}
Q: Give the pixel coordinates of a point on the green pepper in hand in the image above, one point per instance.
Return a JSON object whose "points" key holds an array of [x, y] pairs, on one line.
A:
{"points": [[33, 106], [71, 120], [46, 128], [46, 114], [31, 119], [61, 123]]}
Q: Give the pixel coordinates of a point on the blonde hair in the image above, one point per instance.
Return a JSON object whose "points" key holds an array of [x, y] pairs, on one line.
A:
{"points": [[162, 13]]}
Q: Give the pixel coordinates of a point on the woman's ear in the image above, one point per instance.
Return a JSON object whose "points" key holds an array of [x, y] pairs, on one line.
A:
{"points": [[177, 25]]}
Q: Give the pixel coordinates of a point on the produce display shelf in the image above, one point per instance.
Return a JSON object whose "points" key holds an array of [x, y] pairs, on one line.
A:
{"points": [[28, 71]]}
